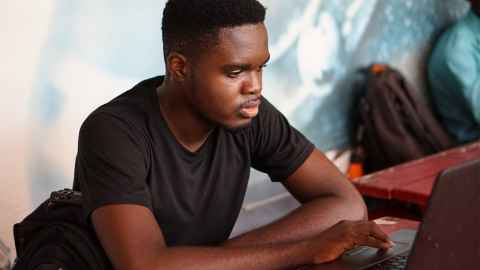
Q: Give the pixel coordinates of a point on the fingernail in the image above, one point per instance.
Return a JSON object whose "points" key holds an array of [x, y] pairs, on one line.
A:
{"points": [[391, 243]]}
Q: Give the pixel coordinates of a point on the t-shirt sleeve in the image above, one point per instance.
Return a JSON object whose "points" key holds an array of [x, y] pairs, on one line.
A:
{"points": [[111, 164], [278, 149]]}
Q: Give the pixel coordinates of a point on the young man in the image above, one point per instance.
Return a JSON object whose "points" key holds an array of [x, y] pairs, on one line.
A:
{"points": [[454, 75], [164, 167]]}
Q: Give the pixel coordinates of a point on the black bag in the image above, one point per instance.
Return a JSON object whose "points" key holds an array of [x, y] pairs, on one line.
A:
{"points": [[57, 236], [395, 125]]}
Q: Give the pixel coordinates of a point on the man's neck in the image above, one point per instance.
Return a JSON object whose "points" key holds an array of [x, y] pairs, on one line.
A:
{"points": [[189, 128]]}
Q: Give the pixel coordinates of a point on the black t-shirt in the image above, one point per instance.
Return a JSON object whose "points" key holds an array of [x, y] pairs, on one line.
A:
{"points": [[128, 155]]}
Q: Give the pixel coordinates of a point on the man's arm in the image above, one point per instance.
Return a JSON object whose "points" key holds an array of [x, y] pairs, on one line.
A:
{"points": [[133, 240], [327, 197]]}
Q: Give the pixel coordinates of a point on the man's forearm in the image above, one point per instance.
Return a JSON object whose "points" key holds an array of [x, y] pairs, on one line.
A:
{"points": [[278, 256], [308, 220]]}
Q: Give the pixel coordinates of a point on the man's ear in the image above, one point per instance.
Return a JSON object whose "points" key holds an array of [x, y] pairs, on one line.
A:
{"points": [[177, 66]]}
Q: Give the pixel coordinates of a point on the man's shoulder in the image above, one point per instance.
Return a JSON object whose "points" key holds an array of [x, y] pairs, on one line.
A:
{"points": [[461, 35], [137, 101], [454, 47], [133, 107]]}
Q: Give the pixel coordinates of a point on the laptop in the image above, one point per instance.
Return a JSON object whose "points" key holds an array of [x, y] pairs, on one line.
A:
{"points": [[448, 237]]}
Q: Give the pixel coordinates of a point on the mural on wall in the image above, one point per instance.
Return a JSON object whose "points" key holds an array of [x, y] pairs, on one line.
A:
{"points": [[98, 49], [316, 54]]}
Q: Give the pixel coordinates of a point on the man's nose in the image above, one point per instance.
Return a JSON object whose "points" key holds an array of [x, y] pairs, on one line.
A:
{"points": [[254, 84]]}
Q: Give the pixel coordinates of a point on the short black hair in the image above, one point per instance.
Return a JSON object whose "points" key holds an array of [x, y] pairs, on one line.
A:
{"points": [[189, 26]]}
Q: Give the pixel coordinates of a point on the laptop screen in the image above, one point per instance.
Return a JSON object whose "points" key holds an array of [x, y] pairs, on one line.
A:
{"points": [[449, 237]]}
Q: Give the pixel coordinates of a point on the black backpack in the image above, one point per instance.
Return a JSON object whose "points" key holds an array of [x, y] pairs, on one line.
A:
{"points": [[394, 124], [57, 236]]}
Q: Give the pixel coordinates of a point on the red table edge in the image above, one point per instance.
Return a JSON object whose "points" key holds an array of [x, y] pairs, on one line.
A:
{"points": [[374, 176], [417, 193], [388, 189]]}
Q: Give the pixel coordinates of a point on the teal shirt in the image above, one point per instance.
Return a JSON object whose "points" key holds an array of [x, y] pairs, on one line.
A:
{"points": [[454, 75]]}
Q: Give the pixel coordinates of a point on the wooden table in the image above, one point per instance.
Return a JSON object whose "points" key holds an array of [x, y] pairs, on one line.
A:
{"points": [[412, 182]]}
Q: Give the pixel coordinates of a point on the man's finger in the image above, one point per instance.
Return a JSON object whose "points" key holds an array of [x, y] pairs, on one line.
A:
{"points": [[376, 232], [376, 243]]}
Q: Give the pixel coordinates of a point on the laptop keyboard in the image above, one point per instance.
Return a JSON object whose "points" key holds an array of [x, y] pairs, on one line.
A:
{"points": [[395, 263]]}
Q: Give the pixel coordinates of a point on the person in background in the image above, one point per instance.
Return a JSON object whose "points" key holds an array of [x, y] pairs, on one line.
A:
{"points": [[164, 167], [454, 77]]}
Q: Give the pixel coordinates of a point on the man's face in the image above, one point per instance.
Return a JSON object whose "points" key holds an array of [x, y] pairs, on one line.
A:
{"points": [[226, 81]]}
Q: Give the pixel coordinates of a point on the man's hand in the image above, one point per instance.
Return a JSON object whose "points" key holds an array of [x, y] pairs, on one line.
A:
{"points": [[344, 236], [327, 197], [133, 240]]}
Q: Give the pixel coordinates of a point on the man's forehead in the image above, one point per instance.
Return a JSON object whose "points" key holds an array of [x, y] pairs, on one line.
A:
{"points": [[243, 41], [242, 33]]}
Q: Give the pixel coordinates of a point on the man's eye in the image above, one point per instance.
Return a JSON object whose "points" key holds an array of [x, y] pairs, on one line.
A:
{"points": [[234, 73]]}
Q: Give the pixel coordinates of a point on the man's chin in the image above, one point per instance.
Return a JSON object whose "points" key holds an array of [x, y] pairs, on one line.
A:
{"points": [[238, 126]]}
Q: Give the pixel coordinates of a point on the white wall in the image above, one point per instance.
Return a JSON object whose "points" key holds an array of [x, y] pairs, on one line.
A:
{"points": [[24, 28]]}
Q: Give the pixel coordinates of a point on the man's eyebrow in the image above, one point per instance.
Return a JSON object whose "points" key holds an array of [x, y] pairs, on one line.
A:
{"points": [[236, 66], [242, 66]]}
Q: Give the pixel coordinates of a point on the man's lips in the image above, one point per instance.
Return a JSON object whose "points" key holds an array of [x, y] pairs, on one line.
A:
{"points": [[251, 103], [249, 109]]}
